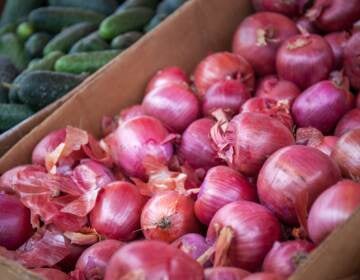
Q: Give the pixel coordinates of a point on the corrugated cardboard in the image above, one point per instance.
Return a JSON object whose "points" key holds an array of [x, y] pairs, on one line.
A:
{"points": [[197, 29]]}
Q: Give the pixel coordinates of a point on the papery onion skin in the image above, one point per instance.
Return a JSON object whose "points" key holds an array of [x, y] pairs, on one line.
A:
{"points": [[255, 230], [288, 8], [167, 216], [297, 56], [332, 208], [175, 106], [192, 244], [328, 144], [150, 260], [223, 66], [306, 25], [349, 121], [274, 88], [221, 185], [352, 60], [93, 261], [15, 227], [347, 154], [334, 15], [117, 211], [228, 95], [228, 273], [295, 175], [68, 263], [284, 257], [168, 76], [337, 42], [258, 38], [137, 139], [50, 274], [196, 147], [131, 113], [264, 276], [321, 106]]}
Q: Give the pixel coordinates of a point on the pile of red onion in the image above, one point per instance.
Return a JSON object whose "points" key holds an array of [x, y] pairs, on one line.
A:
{"points": [[238, 172]]}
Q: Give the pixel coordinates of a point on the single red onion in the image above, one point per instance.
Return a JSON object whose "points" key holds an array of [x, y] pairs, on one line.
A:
{"points": [[334, 15], [292, 178], [228, 95], [274, 88], [175, 106], [223, 66], [244, 233], [332, 208], [228, 273], [337, 41], [349, 121], [137, 139], [258, 38], [264, 276], [117, 211], [347, 154], [284, 257], [94, 260], [322, 106], [167, 216], [352, 60], [168, 76], [192, 244], [50, 274], [279, 110], [131, 113], [222, 185], [306, 25], [304, 60], [15, 226], [288, 8], [152, 260], [249, 140], [196, 141]]}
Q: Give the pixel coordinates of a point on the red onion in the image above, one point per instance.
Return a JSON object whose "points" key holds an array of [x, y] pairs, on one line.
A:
{"points": [[223, 66], [306, 25], [222, 185], [292, 178], [304, 60], [131, 113], [176, 107], [358, 100], [347, 154], [332, 208], [348, 122], [284, 258], [117, 211], [321, 106], [249, 139], [168, 76], [264, 276], [244, 232], [50, 274], [334, 15], [274, 88], [135, 140], [15, 227], [228, 273], [192, 244], [196, 141], [288, 8], [68, 263], [167, 216], [93, 261], [152, 260], [228, 95], [279, 110], [337, 41], [352, 60], [258, 38]]}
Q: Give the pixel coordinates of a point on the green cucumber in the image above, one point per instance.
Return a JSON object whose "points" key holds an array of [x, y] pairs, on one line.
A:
{"points": [[54, 19], [8, 28], [11, 46], [125, 40], [36, 43], [8, 73], [15, 10], [40, 88], [69, 36], [25, 30], [155, 21], [90, 43], [128, 20], [12, 114], [13, 88], [84, 62], [103, 6], [169, 6], [138, 3], [45, 63]]}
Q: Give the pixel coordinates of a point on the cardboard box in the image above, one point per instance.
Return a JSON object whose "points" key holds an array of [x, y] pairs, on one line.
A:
{"points": [[195, 30]]}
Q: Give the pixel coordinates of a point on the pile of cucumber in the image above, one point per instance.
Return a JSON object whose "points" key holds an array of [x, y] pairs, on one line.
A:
{"points": [[48, 47]]}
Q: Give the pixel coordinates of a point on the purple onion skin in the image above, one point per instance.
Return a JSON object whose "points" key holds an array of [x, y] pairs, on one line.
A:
{"points": [[288, 8], [225, 273], [350, 121], [264, 276], [337, 42], [321, 106], [352, 60]]}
